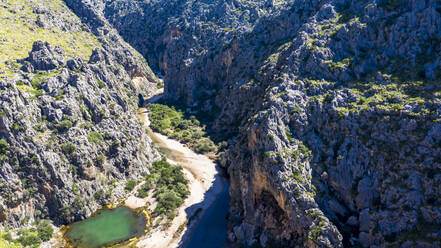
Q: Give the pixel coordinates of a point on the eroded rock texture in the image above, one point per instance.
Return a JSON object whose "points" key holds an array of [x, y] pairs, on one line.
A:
{"points": [[69, 133], [331, 109]]}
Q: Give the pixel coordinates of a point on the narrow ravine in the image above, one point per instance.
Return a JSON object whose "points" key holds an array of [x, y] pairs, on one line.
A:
{"points": [[205, 185]]}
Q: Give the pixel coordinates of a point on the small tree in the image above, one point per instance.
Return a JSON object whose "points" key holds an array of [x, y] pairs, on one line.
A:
{"points": [[130, 185], [45, 230], [4, 146], [68, 148], [64, 125]]}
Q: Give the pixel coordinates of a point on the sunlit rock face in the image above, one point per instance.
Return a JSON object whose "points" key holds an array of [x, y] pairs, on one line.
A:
{"points": [[69, 132], [331, 110]]}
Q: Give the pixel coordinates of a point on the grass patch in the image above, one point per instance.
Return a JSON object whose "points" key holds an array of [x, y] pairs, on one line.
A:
{"points": [[18, 30]]}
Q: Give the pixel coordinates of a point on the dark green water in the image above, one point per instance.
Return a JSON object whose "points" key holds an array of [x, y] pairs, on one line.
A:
{"points": [[106, 228]]}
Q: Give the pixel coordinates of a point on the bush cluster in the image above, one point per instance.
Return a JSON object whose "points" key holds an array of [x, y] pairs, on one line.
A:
{"points": [[64, 125], [32, 237], [173, 123], [68, 149], [95, 137], [4, 146], [170, 187], [130, 185]]}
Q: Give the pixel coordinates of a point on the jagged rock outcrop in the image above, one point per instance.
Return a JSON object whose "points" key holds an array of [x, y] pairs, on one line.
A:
{"points": [[45, 58]]}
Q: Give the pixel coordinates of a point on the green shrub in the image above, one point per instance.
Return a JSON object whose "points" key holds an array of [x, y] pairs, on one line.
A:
{"points": [[297, 175], [64, 125], [304, 150], [130, 185], [28, 238], [205, 146], [95, 137], [17, 127], [168, 200], [4, 146], [289, 135], [98, 195], [60, 95], [68, 148], [75, 189], [143, 191], [100, 159], [296, 110], [101, 84], [170, 187], [163, 117], [7, 236], [160, 84], [45, 230]]}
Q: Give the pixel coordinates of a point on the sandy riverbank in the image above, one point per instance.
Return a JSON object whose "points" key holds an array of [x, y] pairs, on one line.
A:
{"points": [[205, 184]]}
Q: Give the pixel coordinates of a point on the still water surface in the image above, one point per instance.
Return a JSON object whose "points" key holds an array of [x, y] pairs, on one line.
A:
{"points": [[106, 228], [211, 231]]}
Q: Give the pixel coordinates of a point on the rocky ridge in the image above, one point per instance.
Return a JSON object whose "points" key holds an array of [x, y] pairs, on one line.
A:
{"points": [[69, 133]]}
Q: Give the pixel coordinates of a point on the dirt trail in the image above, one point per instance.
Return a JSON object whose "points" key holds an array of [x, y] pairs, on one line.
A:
{"points": [[205, 184]]}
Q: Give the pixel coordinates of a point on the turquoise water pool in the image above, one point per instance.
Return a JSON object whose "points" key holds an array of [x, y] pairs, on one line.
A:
{"points": [[106, 228]]}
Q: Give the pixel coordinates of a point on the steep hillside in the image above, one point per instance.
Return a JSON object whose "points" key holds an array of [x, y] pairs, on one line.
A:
{"points": [[335, 105], [69, 133], [332, 109]]}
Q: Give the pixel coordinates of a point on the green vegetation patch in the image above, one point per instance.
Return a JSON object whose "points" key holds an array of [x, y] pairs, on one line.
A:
{"points": [[345, 63], [394, 96], [7, 244], [170, 187], [130, 185], [4, 147], [274, 57], [69, 149], [174, 124], [18, 31], [64, 125], [34, 88], [95, 137], [31, 237]]}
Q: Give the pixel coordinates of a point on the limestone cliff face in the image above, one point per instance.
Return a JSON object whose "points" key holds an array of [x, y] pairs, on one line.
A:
{"points": [[368, 172], [69, 132], [332, 109]]}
